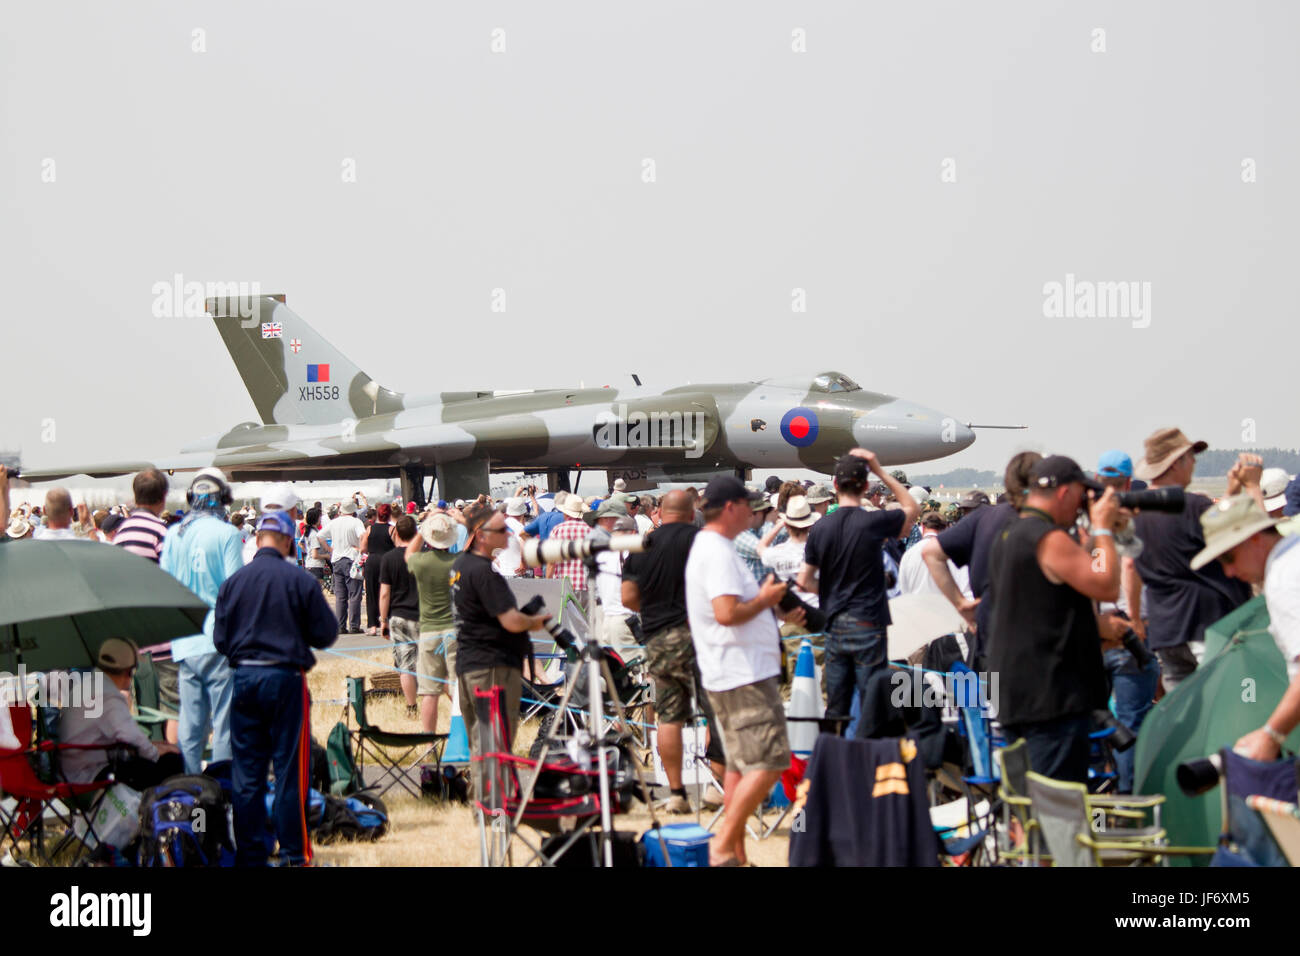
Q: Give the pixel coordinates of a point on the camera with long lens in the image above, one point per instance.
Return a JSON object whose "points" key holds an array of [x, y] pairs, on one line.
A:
{"points": [[1122, 738], [1167, 500], [550, 551], [1138, 648], [1196, 777], [559, 633]]}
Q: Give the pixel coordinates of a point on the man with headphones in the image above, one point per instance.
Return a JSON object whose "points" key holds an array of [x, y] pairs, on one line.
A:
{"points": [[201, 552]]}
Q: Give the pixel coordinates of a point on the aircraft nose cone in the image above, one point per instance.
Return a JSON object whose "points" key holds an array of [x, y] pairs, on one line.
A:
{"points": [[903, 431]]}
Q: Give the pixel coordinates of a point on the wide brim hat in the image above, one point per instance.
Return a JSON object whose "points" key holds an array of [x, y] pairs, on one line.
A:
{"points": [[1227, 523], [799, 513], [1162, 449], [438, 531], [609, 508], [572, 506]]}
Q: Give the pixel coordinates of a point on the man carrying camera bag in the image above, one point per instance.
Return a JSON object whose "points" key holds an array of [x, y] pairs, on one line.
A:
{"points": [[1044, 643]]}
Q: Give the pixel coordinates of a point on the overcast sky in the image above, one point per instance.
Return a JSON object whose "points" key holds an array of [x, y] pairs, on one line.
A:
{"points": [[795, 147]]}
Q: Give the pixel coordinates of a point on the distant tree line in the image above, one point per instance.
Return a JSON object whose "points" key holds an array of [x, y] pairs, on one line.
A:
{"points": [[1211, 463]]}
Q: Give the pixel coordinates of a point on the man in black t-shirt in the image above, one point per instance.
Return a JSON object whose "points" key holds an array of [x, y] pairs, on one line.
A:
{"points": [[967, 544], [491, 632], [1182, 602], [399, 609], [654, 583], [842, 563]]}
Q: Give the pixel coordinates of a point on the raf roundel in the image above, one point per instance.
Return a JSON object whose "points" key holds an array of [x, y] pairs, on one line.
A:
{"points": [[799, 427]]}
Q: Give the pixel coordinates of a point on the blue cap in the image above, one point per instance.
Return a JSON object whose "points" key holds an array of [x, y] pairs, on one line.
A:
{"points": [[1114, 464], [442, 503], [276, 521]]}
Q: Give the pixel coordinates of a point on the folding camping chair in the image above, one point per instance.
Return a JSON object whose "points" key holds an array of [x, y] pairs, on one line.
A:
{"points": [[371, 740], [1283, 821], [148, 699], [562, 797], [34, 798], [1068, 815]]}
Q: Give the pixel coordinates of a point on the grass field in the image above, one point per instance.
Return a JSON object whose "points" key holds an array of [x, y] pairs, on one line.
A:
{"points": [[424, 833]]}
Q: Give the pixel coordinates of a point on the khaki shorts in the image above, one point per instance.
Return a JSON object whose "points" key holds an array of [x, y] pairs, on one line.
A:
{"points": [[510, 678], [405, 636], [752, 721], [437, 663], [169, 685], [670, 659], [618, 635]]}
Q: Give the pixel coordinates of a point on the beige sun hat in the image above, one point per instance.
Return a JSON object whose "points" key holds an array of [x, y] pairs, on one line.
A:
{"points": [[572, 505], [18, 527], [799, 513], [1161, 449], [1227, 523], [439, 531]]}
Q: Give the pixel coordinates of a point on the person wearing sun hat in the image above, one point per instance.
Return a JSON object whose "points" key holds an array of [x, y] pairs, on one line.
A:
{"points": [[1181, 601], [1242, 538], [436, 664]]}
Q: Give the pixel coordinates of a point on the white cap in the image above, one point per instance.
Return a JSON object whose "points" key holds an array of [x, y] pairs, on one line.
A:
{"points": [[279, 497], [918, 493], [1273, 482]]}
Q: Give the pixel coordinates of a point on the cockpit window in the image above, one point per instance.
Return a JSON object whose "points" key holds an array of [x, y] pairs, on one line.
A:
{"points": [[834, 382]]}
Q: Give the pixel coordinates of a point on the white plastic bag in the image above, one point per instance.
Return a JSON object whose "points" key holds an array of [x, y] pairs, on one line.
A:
{"points": [[117, 821]]}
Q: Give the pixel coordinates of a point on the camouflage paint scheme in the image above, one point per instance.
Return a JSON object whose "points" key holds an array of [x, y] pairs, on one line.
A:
{"points": [[322, 417]]}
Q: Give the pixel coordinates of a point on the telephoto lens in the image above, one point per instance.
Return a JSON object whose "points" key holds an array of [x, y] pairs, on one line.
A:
{"points": [[560, 634], [1196, 777], [1122, 738], [1167, 500], [814, 620], [550, 551]]}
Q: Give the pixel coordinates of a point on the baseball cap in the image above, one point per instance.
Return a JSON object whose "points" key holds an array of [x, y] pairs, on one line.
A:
{"points": [[410, 507], [725, 488], [1114, 464], [111, 523], [276, 521], [1057, 470], [117, 654], [851, 468], [280, 496], [973, 500], [1273, 484]]}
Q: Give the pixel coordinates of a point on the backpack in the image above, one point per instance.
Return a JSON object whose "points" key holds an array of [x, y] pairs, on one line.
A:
{"points": [[343, 775], [448, 786], [184, 821], [359, 817]]}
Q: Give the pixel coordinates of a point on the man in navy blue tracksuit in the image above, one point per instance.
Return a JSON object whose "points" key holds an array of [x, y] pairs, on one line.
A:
{"points": [[269, 616]]}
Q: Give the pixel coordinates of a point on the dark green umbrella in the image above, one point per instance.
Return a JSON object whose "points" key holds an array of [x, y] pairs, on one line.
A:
{"points": [[1232, 693], [59, 600]]}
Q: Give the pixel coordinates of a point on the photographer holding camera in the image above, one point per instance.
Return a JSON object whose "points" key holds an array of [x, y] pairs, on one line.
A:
{"points": [[1044, 642], [1182, 601], [491, 632]]}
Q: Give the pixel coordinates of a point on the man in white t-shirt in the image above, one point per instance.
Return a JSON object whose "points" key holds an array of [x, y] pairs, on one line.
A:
{"points": [[738, 648], [343, 535], [510, 559], [1241, 535], [914, 574]]}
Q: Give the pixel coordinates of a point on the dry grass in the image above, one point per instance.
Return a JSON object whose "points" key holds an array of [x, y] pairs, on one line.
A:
{"points": [[424, 833]]}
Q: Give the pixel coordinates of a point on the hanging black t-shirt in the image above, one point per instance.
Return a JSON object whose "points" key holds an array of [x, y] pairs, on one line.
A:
{"points": [[1181, 602], [404, 599], [845, 547], [967, 544], [660, 576], [479, 594]]}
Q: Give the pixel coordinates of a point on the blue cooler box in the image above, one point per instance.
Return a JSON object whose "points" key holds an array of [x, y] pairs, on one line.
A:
{"points": [[688, 845]]}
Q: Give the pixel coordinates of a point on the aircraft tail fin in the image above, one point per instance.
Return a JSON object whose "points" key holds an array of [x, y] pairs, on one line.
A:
{"points": [[293, 375]]}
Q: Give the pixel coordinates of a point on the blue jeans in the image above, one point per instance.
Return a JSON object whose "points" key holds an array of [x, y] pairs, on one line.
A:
{"points": [[855, 650], [347, 596], [270, 729], [1134, 689], [205, 686]]}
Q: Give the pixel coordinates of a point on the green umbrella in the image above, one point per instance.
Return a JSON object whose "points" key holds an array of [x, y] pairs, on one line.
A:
{"points": [[59, 600], [1232, 693]]}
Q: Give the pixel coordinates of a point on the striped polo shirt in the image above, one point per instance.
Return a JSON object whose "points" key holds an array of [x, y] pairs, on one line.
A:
{"points": [[142, 533]]}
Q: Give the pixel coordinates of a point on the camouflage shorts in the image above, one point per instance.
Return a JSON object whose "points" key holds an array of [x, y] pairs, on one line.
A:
{"points": [[752, 719], [670, 659]]}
